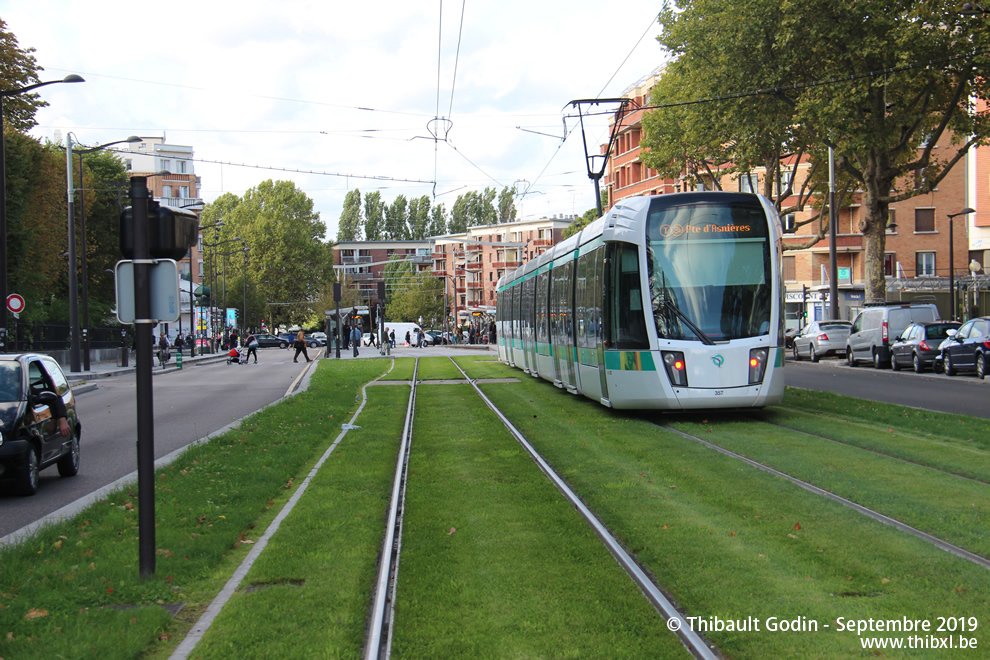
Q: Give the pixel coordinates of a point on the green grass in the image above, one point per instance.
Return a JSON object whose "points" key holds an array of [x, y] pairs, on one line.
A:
{"points": [[726, 539], [495, 563], [317, 572], [59, 589], [438, 368]]}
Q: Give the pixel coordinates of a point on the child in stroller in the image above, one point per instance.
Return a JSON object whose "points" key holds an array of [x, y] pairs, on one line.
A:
{"points": [[237, 355]]}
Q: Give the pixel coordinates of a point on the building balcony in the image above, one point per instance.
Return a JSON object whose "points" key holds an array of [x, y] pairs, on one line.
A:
{"points": [[460, 289], [474, 266], [474, 286], [361, 277], [351, 261], [439, 256], [506, 264], [542, 241], [475, 247], [459, 272], [458, 254]]}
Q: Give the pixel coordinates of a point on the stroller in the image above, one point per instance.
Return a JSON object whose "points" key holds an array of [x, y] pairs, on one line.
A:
{"points": [[237, 355]]}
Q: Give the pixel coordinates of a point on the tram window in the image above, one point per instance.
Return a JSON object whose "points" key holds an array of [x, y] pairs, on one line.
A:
{"points": [[628, 324]]}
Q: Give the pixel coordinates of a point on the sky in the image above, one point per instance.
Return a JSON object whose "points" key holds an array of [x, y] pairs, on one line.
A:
{"points": [[420, 97]]}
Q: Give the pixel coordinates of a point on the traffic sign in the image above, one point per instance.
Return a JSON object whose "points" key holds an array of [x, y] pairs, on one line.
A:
{"points": [[15, 303], [164, 278]]}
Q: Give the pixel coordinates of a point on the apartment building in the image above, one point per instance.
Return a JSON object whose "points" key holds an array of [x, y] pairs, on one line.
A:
{"points": [[917, 251]]}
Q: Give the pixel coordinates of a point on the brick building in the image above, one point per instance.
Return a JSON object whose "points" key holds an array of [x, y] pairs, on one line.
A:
{"points": [[917, 243]]}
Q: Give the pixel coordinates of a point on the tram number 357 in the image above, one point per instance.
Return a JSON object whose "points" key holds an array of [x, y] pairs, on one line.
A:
{"points": [[719, 392]]}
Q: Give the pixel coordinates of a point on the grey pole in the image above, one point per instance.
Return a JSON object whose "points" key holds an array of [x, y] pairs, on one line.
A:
{"points": [[74, 362], [833, 230]]}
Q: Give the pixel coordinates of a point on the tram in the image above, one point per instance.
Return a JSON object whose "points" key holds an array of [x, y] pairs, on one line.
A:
{"points": [[670, 302]]}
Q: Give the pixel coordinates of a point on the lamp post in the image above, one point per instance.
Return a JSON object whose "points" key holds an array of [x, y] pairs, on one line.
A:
{"points": [[82, 242], [213, 276], [72, 78], [216, 228], [952, 270]]}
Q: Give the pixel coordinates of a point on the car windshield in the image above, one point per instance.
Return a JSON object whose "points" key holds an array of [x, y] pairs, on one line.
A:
{"points": [[10, 381]]}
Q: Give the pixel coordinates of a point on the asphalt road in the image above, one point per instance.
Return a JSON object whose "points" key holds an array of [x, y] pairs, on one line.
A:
{"points": [[961, 395], [188, 405]]}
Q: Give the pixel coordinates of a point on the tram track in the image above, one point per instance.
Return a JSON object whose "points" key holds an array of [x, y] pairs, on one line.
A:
{"points": [[859, 508], [380, 627]]}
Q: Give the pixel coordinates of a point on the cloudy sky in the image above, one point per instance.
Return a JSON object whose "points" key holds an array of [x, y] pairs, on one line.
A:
{"points": [[408, 98]]}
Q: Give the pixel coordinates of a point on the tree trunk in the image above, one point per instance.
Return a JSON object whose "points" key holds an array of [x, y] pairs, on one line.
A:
{"points": [[876, 191]]}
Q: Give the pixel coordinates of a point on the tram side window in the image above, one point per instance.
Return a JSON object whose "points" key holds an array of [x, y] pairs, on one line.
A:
{"points": [[542, 283], [628, 323]]}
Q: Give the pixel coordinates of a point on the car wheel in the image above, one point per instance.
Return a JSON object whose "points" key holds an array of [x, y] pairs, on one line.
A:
{"points": [[794, 352], [850, 360], [283, 345], [947, 362], [893, 362], [877, 364], [27, 481], [981, 368], [918, 366], [68, 465], [811, 353]]}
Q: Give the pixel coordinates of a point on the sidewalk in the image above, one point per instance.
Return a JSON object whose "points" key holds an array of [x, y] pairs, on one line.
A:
{"points": [[81, 381]]}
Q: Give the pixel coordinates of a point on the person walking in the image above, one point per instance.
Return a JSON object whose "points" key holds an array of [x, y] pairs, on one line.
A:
{"points": [[347, 335], [252, 346], [179, 343], [300, 345], [391, 338], [355, 339]]}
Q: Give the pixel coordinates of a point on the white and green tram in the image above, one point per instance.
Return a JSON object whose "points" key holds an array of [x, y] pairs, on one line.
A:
{"points": [[671, 302]]}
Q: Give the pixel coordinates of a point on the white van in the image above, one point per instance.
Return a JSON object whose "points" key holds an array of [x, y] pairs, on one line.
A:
{"points": [[400, 330], [875, 327]]}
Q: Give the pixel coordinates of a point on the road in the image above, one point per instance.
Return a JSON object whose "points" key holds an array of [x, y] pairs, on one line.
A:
{"points": [[188, 405], [961, 395]]}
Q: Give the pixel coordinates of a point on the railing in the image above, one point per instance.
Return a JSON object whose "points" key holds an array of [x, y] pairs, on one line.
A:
{"points": [[350, 261]]}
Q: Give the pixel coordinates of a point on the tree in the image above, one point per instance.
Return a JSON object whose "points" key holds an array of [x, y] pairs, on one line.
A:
{"points": [[438, 221], [420, 298], [419, 217], [288, 258], [881, 82], [374, 216], [18, 68], [396, 228], [507, 205], [349, 228]]}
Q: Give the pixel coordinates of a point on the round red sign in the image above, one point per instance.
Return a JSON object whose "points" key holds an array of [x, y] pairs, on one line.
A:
{"points": [[15, 303]]}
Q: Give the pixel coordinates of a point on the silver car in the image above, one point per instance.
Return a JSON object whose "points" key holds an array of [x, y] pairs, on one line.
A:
{"points": [[821, 338]]}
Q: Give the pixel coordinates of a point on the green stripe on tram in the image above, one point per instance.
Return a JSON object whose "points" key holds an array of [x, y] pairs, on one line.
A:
{"points": [[629, 361]]}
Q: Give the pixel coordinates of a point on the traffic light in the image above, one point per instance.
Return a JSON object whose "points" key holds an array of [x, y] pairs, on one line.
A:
{"points": [[171, 232]]}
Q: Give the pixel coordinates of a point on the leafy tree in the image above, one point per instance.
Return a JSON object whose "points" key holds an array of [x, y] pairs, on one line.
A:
{"points": [[589, 216], [419, 217], [374, 216], [881, 82], [288, 259], [396, 228], [438, 221], [421, 297], [349, 228], [507, 205], [18, 68], [460, 214]]}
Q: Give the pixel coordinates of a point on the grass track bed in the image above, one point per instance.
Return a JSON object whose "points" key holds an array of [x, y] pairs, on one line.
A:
{"points": [[725, 539], [495, 563]]}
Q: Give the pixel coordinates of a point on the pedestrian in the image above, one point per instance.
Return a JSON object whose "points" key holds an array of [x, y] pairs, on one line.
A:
{"points": [[391, 338], [179, 344], [407, 339], [252, 344], [347, 335], [300, 345], [355, 339]]}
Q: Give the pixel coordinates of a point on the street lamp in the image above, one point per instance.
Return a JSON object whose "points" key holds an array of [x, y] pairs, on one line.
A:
{"points": [[73, 272], [72, 78], [213, 278], [952, 270]]}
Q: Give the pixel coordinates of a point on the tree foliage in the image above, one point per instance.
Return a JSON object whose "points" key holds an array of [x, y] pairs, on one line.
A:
{"points": [[374, 216], [396, 228], [18, 68], [882, 82], [349, 228], [289, 261]]}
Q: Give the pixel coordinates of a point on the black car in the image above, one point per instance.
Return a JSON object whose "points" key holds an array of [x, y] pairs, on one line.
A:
{"points": [[968, 348], [285, 339], [917, 347], [266, 340], [31, 386]]}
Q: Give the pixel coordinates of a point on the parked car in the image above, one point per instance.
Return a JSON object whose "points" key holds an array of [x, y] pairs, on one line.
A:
{"points": [[435, 338], [874, 328], [967, 349], [918, 346], [820, 339], [30, 387], [322, 336], [285, 339], [266, 340], [315, 342]]}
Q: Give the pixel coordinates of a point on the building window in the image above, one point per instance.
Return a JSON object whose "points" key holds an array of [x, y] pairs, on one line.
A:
{"points": [[166, 164], [925, 263], [128, 164], [166, 191], [924, 220], [184, 192], [891, 220], [790, 269], [889, 265], [748, 182], [180, 166]]}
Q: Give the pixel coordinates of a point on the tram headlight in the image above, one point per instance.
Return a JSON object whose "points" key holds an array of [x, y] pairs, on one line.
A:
{"points": [[757, 365], [673, 361]]}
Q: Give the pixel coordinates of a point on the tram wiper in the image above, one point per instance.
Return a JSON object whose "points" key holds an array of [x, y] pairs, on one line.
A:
{"points": [[667, 302]]}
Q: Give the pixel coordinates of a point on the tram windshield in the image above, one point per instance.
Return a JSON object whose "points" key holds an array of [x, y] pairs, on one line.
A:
{"points": [[710, 269]]}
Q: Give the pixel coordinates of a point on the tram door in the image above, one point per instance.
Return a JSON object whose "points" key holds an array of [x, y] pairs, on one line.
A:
{"points": [[562, 324], [600, 295], [526, 323]]}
